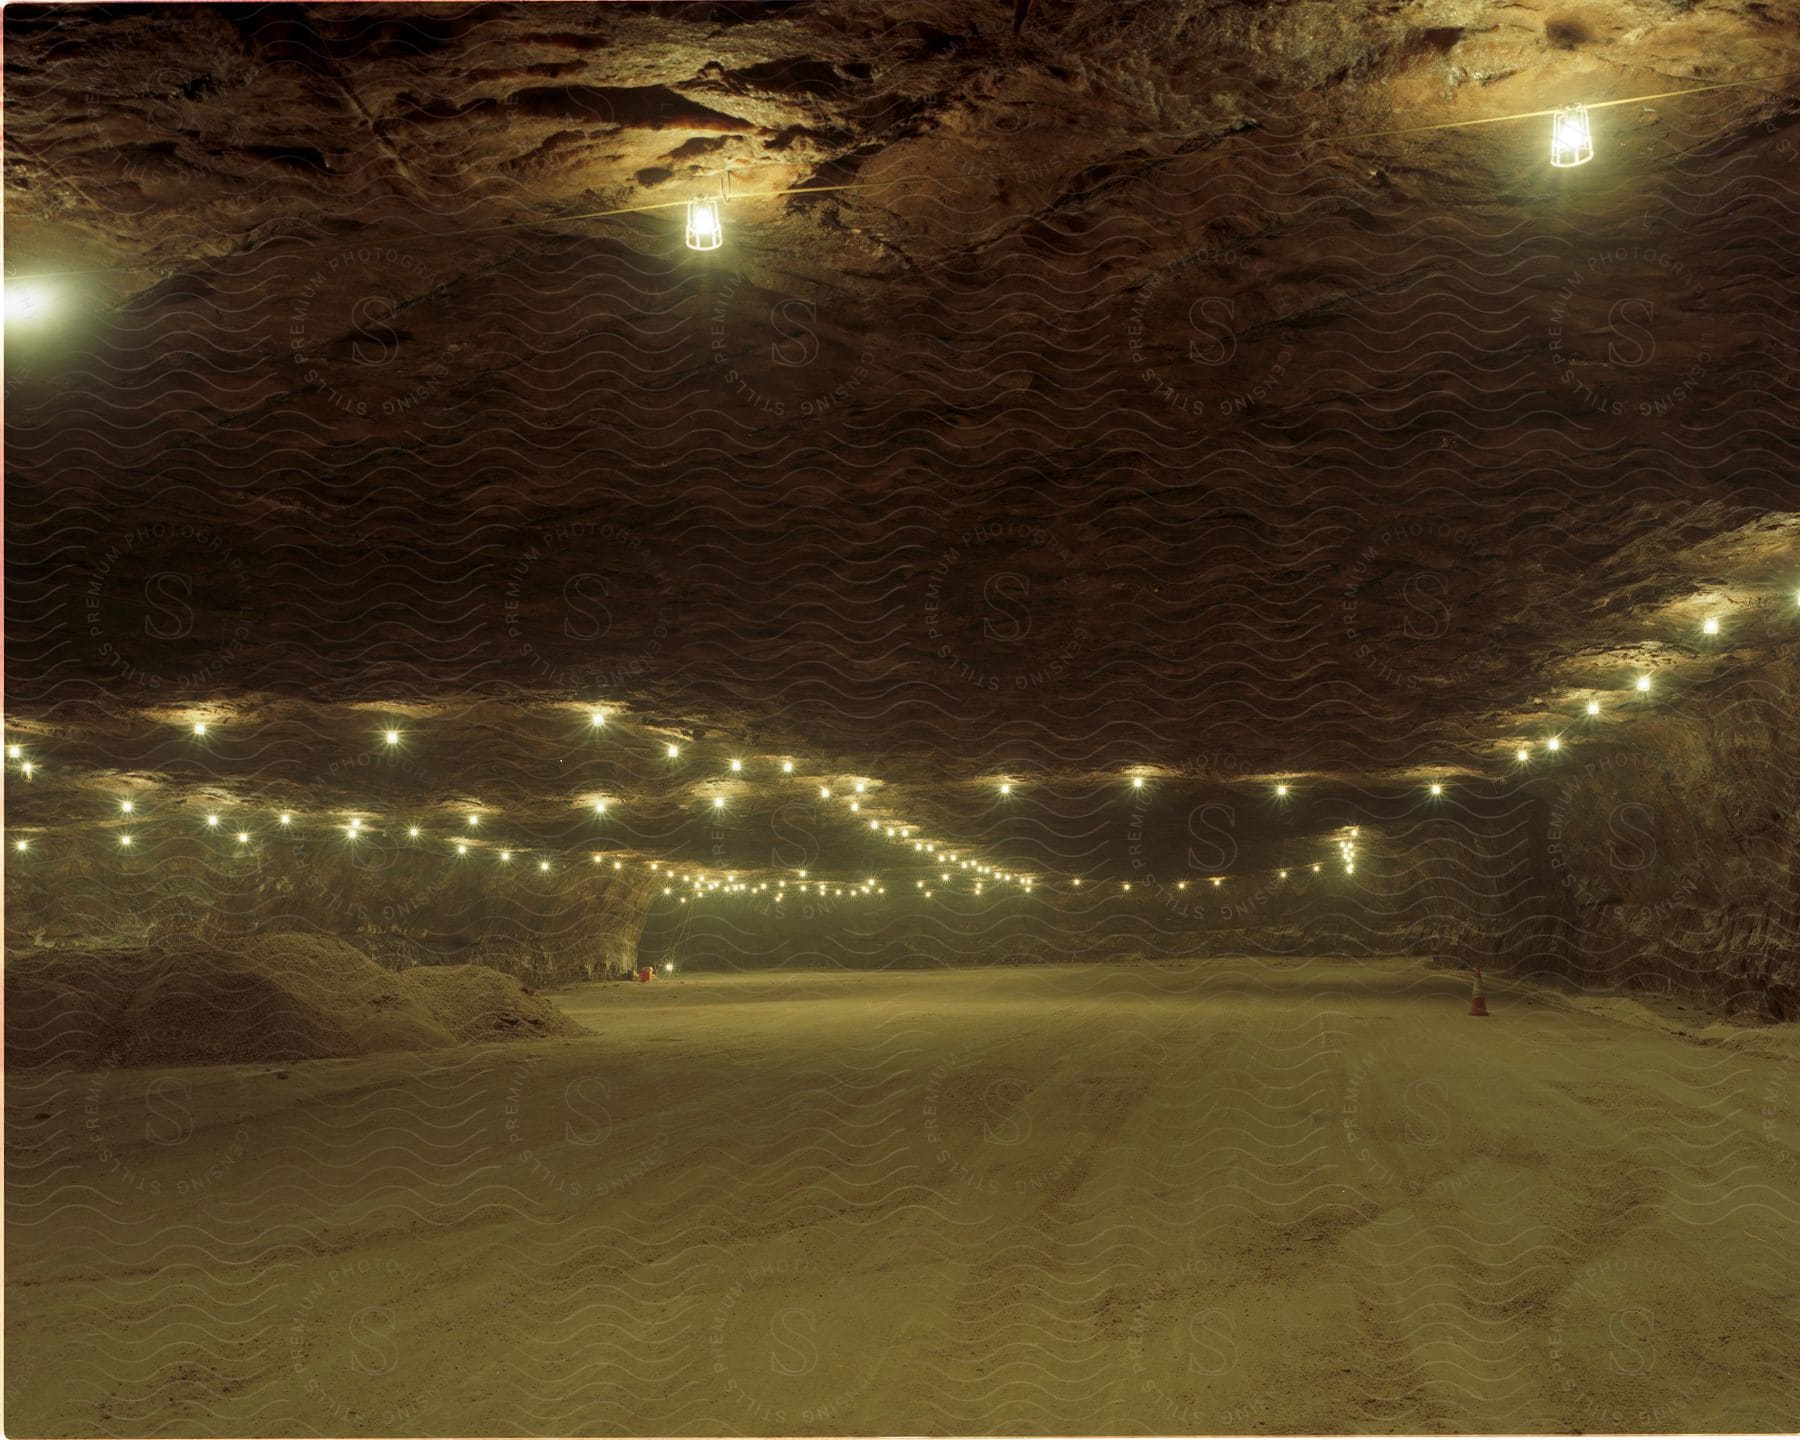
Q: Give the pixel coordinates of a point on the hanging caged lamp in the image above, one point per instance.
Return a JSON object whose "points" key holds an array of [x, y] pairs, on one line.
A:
{"points": [[1571, 138], [704, 228]]}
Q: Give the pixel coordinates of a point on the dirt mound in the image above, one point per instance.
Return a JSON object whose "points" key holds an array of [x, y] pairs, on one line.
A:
{"points": [[275, 998]]}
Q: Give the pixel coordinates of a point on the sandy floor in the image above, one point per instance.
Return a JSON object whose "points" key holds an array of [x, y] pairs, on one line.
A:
{"points": [[1239, 1196]]}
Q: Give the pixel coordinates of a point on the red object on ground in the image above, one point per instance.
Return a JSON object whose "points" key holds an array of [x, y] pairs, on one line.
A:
{"points": [[1477, 1001], [646, 974]]}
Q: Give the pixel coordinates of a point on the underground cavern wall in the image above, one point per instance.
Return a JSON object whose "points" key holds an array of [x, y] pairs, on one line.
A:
{"points": [[396, 907]]}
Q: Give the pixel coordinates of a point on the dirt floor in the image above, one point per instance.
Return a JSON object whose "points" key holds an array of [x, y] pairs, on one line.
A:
{"points": [[1240, 1196]]}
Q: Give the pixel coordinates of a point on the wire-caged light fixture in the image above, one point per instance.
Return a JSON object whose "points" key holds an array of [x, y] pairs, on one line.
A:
{"points": [[1571, 137], [706, 219]]}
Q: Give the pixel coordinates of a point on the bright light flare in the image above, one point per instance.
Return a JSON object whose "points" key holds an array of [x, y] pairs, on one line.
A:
{"points": [[705, 226], [28, 303], [1571, 137]]}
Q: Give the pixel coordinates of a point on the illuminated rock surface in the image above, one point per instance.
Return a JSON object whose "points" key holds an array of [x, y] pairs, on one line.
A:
{"points": [[1128, 402]]}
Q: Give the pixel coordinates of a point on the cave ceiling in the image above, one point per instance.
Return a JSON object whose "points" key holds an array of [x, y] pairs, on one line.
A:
{"points": [[1127, 399]]}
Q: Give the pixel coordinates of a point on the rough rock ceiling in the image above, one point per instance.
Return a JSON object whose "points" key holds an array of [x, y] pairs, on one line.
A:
{"points": [[1124, 413]]}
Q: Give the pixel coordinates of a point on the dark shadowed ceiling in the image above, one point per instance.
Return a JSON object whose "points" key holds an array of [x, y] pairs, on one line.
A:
{"points": [[1118, 403]]}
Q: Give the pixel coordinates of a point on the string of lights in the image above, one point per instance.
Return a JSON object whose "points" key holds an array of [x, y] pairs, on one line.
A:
{"points": [[949, 862]]}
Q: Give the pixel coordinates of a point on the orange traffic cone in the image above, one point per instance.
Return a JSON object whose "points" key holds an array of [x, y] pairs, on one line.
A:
{"points": [[1477, 1000]]}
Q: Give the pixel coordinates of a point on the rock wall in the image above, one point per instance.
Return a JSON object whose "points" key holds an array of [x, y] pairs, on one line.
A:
{"points": [[1676, 859], [397, 909]]}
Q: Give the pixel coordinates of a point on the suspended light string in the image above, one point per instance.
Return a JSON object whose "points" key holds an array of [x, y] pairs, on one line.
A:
{"points": [[949, 861], [705, 222], [936, 853]]}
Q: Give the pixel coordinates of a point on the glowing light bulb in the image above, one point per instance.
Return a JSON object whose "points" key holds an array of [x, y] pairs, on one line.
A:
{"points": [[597, 719], [668, 968], [27, 302], [718, 802], [1315, 869], [1571, 137], [705, 226], [1283, 875], [1006, 787], [28, 768], [824, 792], [355, 825], [212, 820], [802, 874], [1711, 627], [543, 864], [286, 819], [1127, 884], [616, 865], [21, 844], [1643, 683], [413, 831], [242, 838], [1137, 782], [1076, 880], [125, 841], [1181, 885], [874, 824], [599, 807], [392, 737], [672, 751], [1553, 743], [125, 806], [506, 855], [1282, 791], [1522, 753], [1593, 707], [1437, 789], [787, 767], [737, 767], [13, 752], [1217, 881], [461, 849], [199, 727]]}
